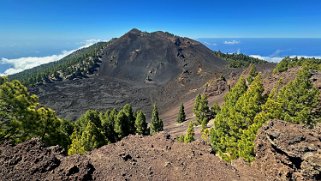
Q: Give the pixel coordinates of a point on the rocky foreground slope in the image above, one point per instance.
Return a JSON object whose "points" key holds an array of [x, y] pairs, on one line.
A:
{"points": [[284, 152]]}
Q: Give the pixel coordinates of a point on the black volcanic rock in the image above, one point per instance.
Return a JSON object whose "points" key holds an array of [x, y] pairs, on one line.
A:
{"points": [[158, 56]]}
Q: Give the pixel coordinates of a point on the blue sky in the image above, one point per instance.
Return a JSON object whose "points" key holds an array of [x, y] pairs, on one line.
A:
{"points": [[45, 28], [55, 20]]}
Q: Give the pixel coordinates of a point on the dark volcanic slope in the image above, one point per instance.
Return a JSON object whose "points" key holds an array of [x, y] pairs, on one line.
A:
{"points": [[138, 68], [159, 57]]}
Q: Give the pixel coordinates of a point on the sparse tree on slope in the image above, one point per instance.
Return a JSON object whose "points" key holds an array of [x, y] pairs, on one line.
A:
{"points": [[156, 124], [181, 114], [189, 137]]}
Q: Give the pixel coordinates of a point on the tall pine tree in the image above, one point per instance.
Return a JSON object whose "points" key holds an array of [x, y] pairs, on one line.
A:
{"points": [[181, 117], [128, 110], [121, 125], [140, 123], [156, 124]]}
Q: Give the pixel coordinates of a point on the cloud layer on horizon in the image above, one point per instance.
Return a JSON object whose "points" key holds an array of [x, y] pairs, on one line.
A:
{"points": [[278, 59], [232, 42], [23, 63]]}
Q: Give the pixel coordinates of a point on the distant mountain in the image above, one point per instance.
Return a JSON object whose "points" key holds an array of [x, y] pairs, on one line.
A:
{"points": [[138, 56], [139, 68], [157, 57]]}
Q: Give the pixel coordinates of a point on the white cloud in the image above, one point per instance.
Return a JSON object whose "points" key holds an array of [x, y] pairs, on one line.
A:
{"points": [[209, 44], [267, 58], [23, 63], [278, 59], [232, 42]]}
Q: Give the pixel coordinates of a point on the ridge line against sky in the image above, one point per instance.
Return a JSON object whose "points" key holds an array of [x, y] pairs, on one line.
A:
{"points": [[42, 28], [23, 63]]}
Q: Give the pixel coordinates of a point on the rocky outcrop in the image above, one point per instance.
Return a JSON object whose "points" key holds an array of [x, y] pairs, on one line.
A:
{"points": [[216, 87], [286, 151], [32, 160]]}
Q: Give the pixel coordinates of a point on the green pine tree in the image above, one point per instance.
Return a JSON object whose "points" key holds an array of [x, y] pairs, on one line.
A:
{"points": [[156, 124], [298, 101], [201, 109], [236, 117], [22, 117], [128, 110], [189, 137], [252, 73], [196, 104], [89, 116], [76, 146], [140, 123], [121, 125], [108, 121], [181, 114], [92, 138]]}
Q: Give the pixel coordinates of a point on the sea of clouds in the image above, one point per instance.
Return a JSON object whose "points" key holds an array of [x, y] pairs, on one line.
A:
{"points": [[278, 59], [24, 63], [20, 64]]}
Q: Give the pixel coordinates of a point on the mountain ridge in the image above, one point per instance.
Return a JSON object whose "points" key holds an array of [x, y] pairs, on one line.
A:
{"points": [[140, 68]]}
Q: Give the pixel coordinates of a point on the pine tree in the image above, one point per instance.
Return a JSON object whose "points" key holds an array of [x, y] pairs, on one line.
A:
{"points": [[205, 130], [92, 138], [196, 104], [140, 123], [220, 133], [156, 124], [181, 114], [236, 117], [108, 122], [128, 110], [50, 130], [249, 104], [298, 101], [252, 74], [121, 125], [189, 137], [76, 146], [21, 116], [89, 116], [201, 109]]}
